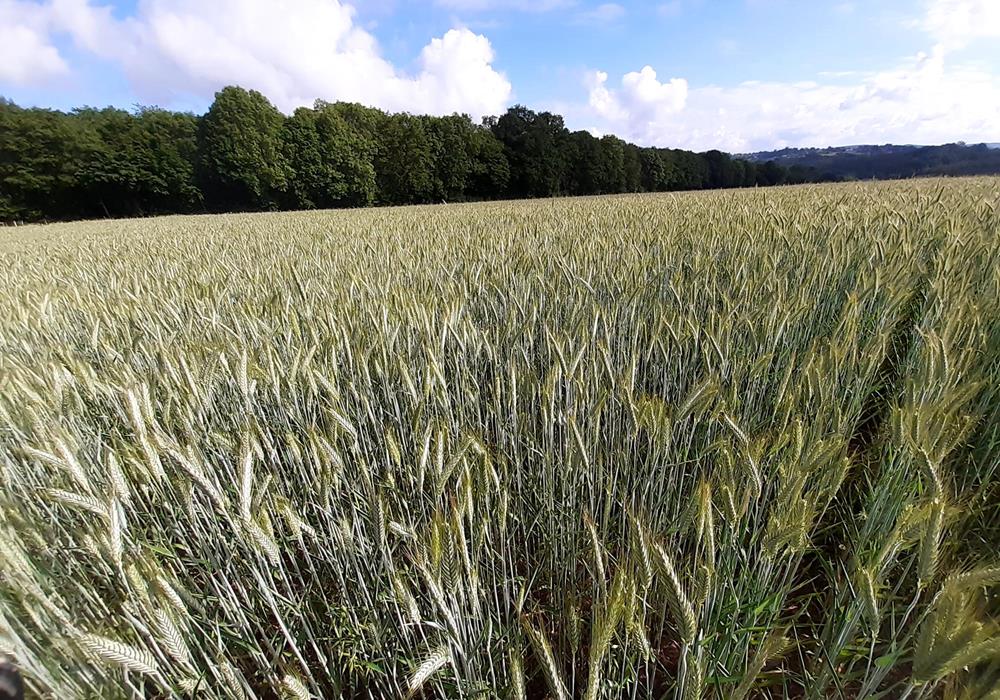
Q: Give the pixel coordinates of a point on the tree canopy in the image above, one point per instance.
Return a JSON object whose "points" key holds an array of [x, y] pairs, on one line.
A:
{"points": [[243, 154]]}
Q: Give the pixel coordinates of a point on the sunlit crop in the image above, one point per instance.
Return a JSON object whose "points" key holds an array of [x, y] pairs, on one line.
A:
{"points": [[721, 445]]}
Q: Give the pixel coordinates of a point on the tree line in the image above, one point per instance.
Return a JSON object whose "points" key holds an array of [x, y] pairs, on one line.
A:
{"points": [[245, 155]]}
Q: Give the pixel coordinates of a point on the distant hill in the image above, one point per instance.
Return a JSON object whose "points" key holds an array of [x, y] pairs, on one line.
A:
{"points": [[865, 162]]}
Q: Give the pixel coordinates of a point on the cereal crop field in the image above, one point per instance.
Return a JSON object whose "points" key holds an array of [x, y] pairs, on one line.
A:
{"points": [[732, 445]]}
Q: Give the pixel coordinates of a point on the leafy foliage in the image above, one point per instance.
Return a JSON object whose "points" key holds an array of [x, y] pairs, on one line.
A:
{"points": [[244, 155], [333, 163], [241, 158]]}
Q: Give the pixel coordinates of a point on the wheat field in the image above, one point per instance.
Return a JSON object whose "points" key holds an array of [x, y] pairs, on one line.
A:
{"points": [[714, 445]]}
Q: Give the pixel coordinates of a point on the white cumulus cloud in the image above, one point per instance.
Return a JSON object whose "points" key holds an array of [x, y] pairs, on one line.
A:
{"points": [[932, 97], [923, 100], [956, 23], [27, 55], [294, 52], [640, 103]]}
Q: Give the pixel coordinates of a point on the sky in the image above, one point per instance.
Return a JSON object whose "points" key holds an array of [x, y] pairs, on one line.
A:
{"points": [[737, 75]]}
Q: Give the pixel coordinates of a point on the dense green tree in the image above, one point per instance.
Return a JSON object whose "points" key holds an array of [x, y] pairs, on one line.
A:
{"points": [[691, 170], [405, 161], [601, 166], [451, 143], [310, 183], [770, 174], [364, 125], [354, 154], [535, 144], [41, 153], [330, 164], [633, 168], [584, 156], [657, 170], [111, 174], [241, 151], [245, 155], [490, 174], [144, 163], [799, 174], [170, 144], [739, 172], [612, 165], [366, 121], [722, 171]]}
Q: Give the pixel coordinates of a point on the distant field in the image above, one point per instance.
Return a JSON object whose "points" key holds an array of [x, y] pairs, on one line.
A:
{"points": [[715, 445]]}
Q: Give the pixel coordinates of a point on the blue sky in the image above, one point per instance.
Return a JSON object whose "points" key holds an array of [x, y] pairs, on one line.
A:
{"points": [[718, 41], [734, 74]]}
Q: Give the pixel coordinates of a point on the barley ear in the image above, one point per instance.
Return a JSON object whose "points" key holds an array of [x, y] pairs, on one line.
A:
{"points": [[773, 646], [128, 657], [540, 643], [694, 676], [293, 688], [435, 661], [606, 619], [595, 541], [173, 640], [869, 600], [677, 600], [515, 670]]}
